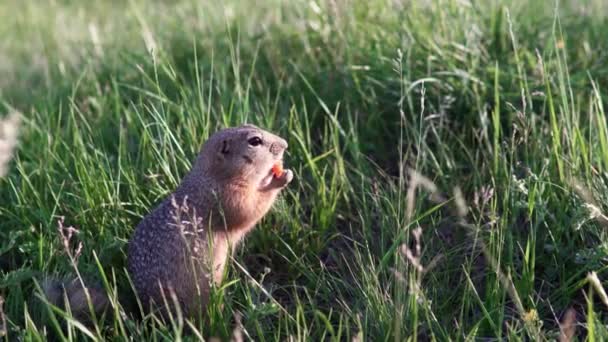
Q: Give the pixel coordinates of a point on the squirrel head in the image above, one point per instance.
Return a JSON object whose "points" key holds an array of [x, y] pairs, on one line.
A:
{"points": [[244, 155]]}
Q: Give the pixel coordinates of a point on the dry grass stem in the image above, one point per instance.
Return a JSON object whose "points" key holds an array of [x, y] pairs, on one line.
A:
{"points": [[237, 332], [595, 213], [3, 330], [9, 132], [418, 180], [66, 234], [567, 326], [597, 285]]}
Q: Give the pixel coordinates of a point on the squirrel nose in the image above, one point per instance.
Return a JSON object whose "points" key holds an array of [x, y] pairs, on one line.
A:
{"points": [[278, 146]]}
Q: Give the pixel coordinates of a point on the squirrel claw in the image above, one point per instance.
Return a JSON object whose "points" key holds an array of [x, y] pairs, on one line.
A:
{"points": [[282, 181]]}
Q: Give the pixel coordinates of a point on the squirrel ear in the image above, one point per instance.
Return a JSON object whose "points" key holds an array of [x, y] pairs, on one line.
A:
{"points": [[225, 147]]}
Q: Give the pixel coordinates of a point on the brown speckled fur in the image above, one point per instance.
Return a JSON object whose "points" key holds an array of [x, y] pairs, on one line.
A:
{"points": [[214, 207]]}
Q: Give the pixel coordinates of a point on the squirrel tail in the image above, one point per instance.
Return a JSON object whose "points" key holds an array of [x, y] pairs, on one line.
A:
{"points": [[57, 291]]}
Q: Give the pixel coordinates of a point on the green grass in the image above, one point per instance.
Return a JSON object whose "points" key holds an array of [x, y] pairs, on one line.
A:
{"points": [[500, 104]]}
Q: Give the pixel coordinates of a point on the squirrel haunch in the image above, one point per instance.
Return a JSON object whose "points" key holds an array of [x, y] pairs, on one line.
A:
{"points": [[183, 244]]}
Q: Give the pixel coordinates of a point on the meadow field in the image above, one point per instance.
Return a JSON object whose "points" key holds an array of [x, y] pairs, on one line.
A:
{"points": [[450, 160]]}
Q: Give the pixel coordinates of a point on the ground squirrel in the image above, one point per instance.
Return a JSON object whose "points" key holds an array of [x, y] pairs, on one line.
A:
{"points": [[184, 243]]}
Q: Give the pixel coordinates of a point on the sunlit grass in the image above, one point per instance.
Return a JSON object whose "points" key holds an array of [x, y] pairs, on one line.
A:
{"points": [[450, 161]]}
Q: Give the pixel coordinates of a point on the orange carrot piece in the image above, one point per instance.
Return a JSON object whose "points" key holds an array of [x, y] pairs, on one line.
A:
{"points": [[277, 169]]}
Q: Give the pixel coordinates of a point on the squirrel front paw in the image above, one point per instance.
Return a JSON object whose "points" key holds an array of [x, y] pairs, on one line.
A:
{"points": [[281, 181]]}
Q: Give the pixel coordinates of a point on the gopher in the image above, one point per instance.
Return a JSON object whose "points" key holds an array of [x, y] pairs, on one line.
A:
{"points": [[184, 243]]}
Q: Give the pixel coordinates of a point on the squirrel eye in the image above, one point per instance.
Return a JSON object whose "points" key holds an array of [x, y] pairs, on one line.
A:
{"points": [[224, 147], [255, 141]]}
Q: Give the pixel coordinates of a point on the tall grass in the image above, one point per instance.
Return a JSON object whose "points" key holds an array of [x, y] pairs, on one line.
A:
{"points": [[450, 161]]}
